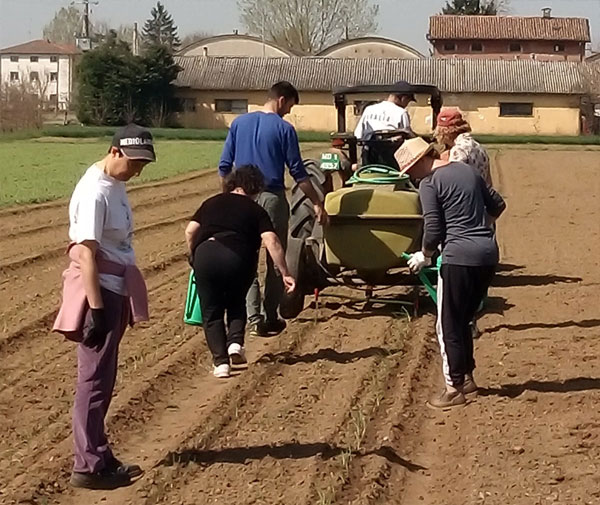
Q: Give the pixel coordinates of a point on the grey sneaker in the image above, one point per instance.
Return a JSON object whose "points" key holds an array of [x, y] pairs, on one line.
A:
{"points": [[469, 387], [447, 400], [257, 329]]}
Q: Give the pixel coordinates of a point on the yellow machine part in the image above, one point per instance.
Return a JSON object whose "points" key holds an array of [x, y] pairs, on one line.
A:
{"points": [[370, 228]]}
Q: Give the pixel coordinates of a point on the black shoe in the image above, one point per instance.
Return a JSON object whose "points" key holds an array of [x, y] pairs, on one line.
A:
{"points": [[130, 469], [104, 479], [275, 327]]}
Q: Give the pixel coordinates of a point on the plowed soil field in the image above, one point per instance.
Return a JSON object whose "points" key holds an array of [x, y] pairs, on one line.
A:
{"points": [[332, 410]]}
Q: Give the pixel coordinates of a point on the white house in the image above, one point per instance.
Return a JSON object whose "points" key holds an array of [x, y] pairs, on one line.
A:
{"points": [[42, 67]]}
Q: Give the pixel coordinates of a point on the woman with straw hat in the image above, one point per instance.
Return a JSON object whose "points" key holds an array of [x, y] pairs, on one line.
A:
{"points": [[455, 201]]}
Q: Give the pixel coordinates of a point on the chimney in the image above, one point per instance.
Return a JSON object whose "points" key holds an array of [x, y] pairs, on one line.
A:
{"points": [[546, 12], [135, 43], [205, 51]]}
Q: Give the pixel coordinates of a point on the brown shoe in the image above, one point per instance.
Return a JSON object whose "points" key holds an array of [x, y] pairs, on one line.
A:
{"points": [[447, 400], [469, 387]]}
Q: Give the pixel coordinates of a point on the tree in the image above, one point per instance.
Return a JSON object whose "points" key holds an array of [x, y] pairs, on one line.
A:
{"points": [[109, 84], [160, 29], [194, 37], [308, 26], [116, 87], [474, 7], [64, 26], [160, 70], [101, 30]]}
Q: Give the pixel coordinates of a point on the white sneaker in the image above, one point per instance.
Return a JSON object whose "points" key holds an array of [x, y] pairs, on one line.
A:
{"points": [[222, 371], [237, 354]]}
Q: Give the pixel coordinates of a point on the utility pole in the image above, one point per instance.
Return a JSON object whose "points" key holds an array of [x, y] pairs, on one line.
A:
{"points": [[86, 15]]}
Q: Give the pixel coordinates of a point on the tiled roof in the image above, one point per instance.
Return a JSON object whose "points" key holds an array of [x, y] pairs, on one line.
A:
{"points": [[508, 28], [324, 74], [41, 47]]}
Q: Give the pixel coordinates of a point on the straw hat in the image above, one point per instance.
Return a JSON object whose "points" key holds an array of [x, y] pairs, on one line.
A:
{"points": [[411, 151]]}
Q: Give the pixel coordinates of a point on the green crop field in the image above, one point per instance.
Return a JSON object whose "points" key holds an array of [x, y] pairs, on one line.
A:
{"points": [[38, 170]]}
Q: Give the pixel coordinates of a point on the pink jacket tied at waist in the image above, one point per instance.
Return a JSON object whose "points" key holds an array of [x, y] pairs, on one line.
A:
{"points": [[74, 304]]}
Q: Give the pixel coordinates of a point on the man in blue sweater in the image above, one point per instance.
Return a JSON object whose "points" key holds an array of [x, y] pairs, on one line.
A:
{"points": [[265, 140]]}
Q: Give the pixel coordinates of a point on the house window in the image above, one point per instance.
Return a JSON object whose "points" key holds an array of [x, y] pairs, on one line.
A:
{"points": [[34, 76], [53, 59], [476, 47], [449, 46], [233, 106], [14, 59], [14, 76], [516, 109], [514, 47], [188, 104], [53, 76], [33, 59], [559, 47]]}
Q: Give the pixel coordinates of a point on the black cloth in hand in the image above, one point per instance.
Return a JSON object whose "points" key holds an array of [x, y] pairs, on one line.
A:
{"points": [[97, 330]]}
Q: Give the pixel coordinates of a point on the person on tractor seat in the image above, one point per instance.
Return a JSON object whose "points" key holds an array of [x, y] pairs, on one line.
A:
{"points": [[456, 202], [387, 115]]}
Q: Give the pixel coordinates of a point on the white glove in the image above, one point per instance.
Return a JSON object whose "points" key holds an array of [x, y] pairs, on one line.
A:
{"points": [[417, 261]]}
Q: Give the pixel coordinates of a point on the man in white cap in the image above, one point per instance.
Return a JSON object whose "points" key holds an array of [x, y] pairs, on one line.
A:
{"points": [[456, 202]]}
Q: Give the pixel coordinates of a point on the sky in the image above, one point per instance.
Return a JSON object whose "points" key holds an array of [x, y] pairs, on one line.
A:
{"points": [[403, 20]]}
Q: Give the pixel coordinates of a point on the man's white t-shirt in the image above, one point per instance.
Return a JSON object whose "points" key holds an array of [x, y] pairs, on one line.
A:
{"points": [[382, 116], [99, 210]]}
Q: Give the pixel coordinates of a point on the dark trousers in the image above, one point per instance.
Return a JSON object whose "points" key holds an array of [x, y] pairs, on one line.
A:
{"points": [[223, 278], [96, 375], [460, 291]]}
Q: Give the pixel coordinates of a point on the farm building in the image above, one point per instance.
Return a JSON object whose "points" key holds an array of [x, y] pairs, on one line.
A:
{"points": [[235, 45], [42, 67], [544, 38], [246, 45], [521, 97]]}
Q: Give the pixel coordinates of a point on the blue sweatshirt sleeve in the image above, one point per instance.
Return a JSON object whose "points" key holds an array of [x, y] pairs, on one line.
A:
{"points": [[293, 158], [433, 227], [228, 154]]}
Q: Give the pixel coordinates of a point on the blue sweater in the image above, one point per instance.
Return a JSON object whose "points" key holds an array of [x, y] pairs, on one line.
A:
{"points": [[267, 141]]}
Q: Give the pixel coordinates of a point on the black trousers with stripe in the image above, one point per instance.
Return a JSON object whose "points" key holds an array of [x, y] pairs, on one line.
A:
{"points": [[460, 291]]}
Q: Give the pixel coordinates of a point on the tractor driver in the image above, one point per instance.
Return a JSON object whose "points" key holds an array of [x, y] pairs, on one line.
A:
{"points": [[390, 114], [385, 116]]}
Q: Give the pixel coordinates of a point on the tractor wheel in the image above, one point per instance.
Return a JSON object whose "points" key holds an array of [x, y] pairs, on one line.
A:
{"points": [[293, 303], [302, 214]]}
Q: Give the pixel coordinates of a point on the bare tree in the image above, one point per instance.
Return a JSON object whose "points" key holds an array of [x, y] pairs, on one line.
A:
{"points": [[194, 37], [308, 26], [101, 29], [63, 27]]}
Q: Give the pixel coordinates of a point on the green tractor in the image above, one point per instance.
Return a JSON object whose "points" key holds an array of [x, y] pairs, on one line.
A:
{"points": [[375, 217]]}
